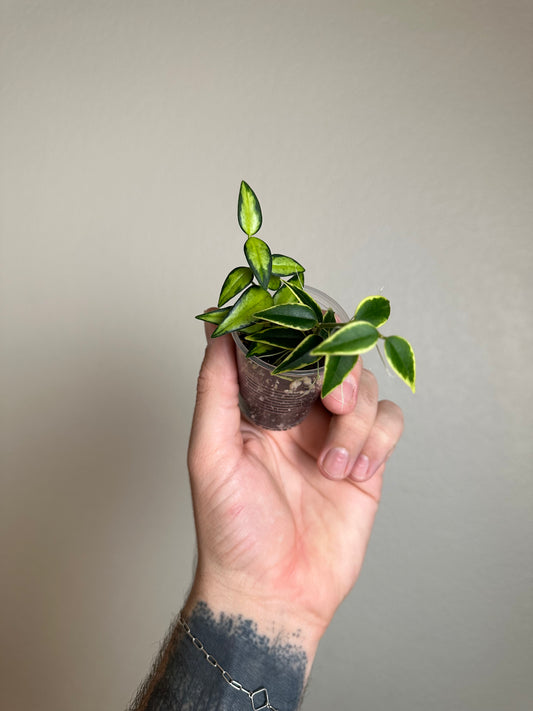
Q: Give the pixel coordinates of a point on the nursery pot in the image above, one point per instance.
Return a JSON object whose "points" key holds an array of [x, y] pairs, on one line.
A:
{"points": [[279, 402]]}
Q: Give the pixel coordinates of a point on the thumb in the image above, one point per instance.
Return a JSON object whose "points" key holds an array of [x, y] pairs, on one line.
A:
{"points": [[216, 420]]}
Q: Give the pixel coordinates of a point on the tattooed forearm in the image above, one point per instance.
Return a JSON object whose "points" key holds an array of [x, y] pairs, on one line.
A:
{"points": [[184, 680]]}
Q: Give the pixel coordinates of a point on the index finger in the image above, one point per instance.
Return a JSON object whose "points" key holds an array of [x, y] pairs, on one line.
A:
{"points": [[343, 399]]}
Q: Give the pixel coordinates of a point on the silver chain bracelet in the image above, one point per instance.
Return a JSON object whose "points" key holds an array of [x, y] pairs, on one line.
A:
{"points": [[258, 698]]}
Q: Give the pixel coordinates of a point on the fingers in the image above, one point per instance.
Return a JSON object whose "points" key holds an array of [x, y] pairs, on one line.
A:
{"points": [[349, 431], [216, 421], [383, 437], [343, 398], [359, 442]]}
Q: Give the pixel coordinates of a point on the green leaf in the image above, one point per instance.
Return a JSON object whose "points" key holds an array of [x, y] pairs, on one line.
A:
{"points": [[292, 315], [306, 299], [260, 259], [301, 356], [329, 317], [263, 350], [287, 338], [297, 279], [401, 357], [214, 316], [335, 370], [249, 210], [237, 280], [285, 266], [274, 283], [374, 309], [243, 311], [284, 295], [352, 338], [253, 328]]}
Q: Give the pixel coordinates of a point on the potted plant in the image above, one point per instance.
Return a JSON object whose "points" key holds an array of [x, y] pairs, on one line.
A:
{"points": [[293, 342]]}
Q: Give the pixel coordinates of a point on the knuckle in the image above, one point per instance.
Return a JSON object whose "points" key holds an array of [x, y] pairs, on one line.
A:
{"points": [[202, 384], [205, 378], [383, 438], [369, 388], [394, 414], [388, 427]]}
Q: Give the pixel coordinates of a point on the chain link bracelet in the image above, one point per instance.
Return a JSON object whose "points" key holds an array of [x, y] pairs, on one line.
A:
{"points": [[258, 698]]}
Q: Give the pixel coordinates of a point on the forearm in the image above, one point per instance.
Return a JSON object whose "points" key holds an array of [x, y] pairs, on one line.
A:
{"points": [[184, 679]]}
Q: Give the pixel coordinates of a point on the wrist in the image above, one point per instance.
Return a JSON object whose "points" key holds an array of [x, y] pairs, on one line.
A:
{"points": [[236, 664], [273, 618]]}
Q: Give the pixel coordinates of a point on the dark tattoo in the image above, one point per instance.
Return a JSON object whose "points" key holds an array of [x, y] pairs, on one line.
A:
{"points": [[183, 680]]}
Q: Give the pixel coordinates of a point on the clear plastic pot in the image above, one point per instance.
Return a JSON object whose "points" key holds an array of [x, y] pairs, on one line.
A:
{"points": [[279, 402]]}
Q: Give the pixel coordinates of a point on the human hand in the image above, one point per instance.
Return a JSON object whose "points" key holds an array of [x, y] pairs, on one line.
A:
{"points": [[283, 518]]}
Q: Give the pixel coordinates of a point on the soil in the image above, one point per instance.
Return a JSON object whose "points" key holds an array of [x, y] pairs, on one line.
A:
{"points": [[275, 402]]}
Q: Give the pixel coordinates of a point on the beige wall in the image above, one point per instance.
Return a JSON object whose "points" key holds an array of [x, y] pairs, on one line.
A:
{"points": [[390, 144]]}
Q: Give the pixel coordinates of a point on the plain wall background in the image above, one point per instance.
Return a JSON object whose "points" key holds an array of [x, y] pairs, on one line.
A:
{"points": [[390, 144]]}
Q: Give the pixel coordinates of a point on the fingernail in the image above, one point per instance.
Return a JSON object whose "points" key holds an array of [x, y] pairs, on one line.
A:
{"points": [[346, 392], [335, 461], [360, 468], [349, 389]]}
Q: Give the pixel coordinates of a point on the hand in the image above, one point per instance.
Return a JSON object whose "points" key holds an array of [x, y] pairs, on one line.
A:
{"points": [[283, 518]]}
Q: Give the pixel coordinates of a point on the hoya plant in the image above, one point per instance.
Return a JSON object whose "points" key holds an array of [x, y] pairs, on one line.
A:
{"points": [[279, 322]]}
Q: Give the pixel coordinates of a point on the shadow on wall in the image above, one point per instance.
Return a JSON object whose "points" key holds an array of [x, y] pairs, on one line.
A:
{"points": [[96, 461]]}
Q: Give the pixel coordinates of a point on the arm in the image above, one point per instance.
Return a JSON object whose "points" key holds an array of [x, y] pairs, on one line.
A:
{"points": [[282, 521], [268, 669]]}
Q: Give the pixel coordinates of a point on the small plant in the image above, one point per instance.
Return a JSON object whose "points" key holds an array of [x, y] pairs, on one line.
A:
{"points": [[283, 325]]}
